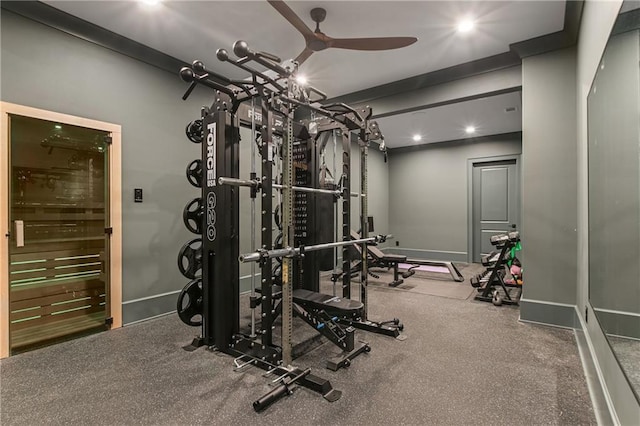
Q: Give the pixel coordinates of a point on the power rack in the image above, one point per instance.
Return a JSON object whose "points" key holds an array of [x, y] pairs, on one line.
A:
{"points": [[289, 124]]}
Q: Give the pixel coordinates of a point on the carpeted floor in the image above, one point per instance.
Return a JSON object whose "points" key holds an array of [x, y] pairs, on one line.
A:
{"points": [[628, 353], [463, 363]]}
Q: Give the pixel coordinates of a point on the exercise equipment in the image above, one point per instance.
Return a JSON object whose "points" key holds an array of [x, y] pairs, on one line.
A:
{"points": [[189, 306], [288, 123], [376, 258], [194, 131], [192, 215], [491, 284], [194, 173], [190, 258]]}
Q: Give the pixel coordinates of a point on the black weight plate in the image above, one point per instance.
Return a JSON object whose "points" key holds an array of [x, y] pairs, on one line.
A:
{"points": [[277, 244], [194, 131], [190, 303], [192, 216], [194, 173], [276, 274], [277, 218], [190, 258]]}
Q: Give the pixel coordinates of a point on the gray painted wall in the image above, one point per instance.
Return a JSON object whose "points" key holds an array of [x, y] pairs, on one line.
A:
{"points": [[428, 194], [549, 177], [597, 20], [49, 69]]}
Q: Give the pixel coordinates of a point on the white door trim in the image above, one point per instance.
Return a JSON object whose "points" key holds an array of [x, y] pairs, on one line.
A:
{"points": [[115, 202]]}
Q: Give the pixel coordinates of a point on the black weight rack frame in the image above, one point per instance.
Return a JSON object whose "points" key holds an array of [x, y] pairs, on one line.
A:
{"points": [[491, 281], [214, 294]]}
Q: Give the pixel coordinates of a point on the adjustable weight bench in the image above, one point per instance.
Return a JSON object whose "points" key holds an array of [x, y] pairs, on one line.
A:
{"points": [[323, 312], [376, 258]]}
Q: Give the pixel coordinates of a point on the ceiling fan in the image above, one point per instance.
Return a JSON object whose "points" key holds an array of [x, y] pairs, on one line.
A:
{"points": [[317, 40]]}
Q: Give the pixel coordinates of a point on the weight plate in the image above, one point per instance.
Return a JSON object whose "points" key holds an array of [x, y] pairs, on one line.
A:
{"points": [[190, 303], [277, 244], [276, 274], [277, 218], [190, 258], [192, 216], [194, 173], [194, 131]]}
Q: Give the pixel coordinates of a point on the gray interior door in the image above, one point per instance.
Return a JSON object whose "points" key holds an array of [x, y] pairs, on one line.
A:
{"points": [[496, 201]]}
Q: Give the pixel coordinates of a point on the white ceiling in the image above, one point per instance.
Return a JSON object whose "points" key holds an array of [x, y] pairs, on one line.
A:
{"points": [[190, 30], [449, 122]]}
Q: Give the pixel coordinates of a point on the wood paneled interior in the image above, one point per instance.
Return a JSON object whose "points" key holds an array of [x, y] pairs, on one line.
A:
{"points": [[55, 285]]}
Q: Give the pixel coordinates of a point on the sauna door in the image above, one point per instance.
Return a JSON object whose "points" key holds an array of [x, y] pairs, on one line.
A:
{"points": [[59, 231]]}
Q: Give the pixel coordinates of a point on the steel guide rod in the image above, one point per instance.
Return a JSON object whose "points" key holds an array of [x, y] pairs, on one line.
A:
{"points": [[253, 218], [335, 216], [364, 225], [297, 251], [346, 212]]}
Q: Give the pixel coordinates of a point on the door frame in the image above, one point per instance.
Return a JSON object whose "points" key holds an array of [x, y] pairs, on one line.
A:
{"points": [[115, 208], [470, 163]]}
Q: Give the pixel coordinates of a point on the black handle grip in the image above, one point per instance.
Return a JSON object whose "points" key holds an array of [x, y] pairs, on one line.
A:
{"points": [[270, 398]]}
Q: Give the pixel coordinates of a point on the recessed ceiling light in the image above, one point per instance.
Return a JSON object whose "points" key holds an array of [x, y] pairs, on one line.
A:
{"points": [[151, 2], [470, 129], [301, 79], [465, 25], [417, 138]]}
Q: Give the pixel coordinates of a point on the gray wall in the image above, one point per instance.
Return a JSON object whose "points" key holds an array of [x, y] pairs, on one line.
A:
{"points": [[48, 69], [548, 181], [597, 20], [428, 194]]}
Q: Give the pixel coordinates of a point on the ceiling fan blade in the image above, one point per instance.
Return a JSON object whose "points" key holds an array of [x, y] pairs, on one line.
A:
{"points": [[303, 56], [379, 43], [291, 16]]}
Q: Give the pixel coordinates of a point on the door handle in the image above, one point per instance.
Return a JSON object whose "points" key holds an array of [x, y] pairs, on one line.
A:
{"points": [[513, 226], [19, 224]]}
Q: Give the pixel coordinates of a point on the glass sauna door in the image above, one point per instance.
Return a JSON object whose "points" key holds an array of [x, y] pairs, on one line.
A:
{"points": [[58, 250]]}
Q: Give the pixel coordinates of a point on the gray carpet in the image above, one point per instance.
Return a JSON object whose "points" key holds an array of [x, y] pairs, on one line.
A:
{"points": [[464, 362], [628, 353]]}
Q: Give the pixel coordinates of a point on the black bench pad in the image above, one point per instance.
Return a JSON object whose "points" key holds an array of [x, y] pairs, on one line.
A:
{"points": [[333, 305], [393, 258]]}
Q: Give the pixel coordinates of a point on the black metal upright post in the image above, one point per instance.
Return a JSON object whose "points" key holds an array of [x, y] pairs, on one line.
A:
{"points": [[266, 151], [220, 242]]}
